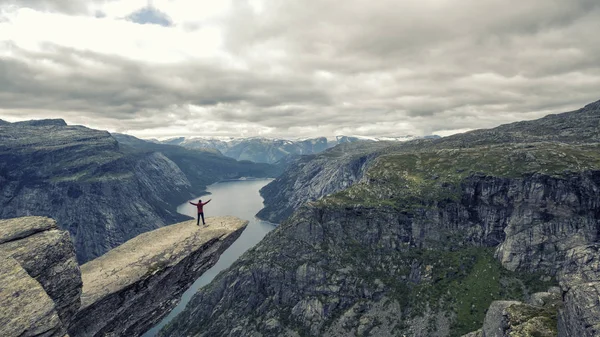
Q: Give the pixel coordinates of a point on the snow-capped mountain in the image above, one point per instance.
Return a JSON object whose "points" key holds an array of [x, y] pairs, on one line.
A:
{"points": [[271, 150]]}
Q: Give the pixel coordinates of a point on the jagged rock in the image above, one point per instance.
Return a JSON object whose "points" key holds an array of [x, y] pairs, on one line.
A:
{"points": [[496, 323], [130, 288], [25, 308], [580, 281], [47, 254], [124, 292], [514, 318], [538, 238]]}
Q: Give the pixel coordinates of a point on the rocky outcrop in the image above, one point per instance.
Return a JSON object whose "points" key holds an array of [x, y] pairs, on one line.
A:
{"points": [[47, 254], [25, 308], [103, 192], [514, 318], [580, 281], [132, 287], [41, 278], [124, 292]]}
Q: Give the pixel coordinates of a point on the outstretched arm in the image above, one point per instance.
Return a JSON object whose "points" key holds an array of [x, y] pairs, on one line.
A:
{"points": [[193, 203], [207, 202]]}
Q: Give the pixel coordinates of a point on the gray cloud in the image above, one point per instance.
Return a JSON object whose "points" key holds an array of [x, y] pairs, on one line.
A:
{"points": [[364, 67]]}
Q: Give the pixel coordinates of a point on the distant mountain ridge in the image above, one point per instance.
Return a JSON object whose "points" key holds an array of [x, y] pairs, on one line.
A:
{"points": [[272, 150]]}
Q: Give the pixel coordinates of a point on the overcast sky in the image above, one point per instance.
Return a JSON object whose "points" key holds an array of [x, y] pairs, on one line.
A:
{"points": [[296, 68]]}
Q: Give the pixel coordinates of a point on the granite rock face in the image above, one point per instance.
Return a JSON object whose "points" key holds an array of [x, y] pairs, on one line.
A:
{"points": [[580, 281], [538, 318], [25, 308], [133, 286], [42, 282], [47, 254]]}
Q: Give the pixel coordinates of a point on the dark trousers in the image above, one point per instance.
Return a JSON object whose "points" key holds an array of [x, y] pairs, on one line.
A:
{"points": [[198, 222]]}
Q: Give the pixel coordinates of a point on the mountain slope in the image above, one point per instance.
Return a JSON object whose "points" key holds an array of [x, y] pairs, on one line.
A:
{"points": [[429, 233], [577, 127], [266, 150], [102, 192], [201, 166]]}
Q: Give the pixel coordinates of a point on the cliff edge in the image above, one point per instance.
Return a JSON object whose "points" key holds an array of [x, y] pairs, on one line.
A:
{"points": [[130, 288], [40, 278], [124, 292]]}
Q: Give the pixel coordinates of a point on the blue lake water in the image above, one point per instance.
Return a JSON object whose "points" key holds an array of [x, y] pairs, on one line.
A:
{"points": [[239, 198]]}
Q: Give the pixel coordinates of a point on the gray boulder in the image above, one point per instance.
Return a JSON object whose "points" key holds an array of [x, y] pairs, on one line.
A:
{"points": [[47, 255], [580, 281], [25, 308]]}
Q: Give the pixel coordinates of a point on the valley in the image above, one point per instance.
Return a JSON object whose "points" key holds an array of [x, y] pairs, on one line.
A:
{"points": [[419, 238]]}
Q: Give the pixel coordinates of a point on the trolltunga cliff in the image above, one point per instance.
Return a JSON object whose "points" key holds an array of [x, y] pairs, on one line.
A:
{"points": [[124, 292]]}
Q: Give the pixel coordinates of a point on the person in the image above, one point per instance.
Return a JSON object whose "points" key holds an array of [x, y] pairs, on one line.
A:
{"points": [[200, 206]]}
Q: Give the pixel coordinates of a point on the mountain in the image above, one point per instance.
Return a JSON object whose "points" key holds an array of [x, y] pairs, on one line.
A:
{"points": [[266, 150], [102, 191], [421, 238], [201, 166]]}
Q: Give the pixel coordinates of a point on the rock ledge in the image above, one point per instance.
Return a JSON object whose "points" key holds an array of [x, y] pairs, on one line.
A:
{"points": [[130, 288]]}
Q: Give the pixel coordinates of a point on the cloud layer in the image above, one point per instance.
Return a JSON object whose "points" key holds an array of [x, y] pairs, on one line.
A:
{"points": [[296, 68]]}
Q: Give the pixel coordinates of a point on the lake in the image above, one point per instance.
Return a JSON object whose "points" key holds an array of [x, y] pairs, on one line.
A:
{"points": [[239, 198]]}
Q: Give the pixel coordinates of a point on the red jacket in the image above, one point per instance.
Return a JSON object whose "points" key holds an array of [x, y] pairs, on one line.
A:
{"points": [[200, 205]]}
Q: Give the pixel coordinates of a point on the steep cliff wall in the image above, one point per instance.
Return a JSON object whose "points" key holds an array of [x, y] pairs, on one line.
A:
{"points": [[79, 177], [580, 281], [41, 281], [337, 266]]}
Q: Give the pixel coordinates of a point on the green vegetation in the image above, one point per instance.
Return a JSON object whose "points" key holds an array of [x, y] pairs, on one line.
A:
{"points": [[418, 179], [463, 282], [532, 321]]}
